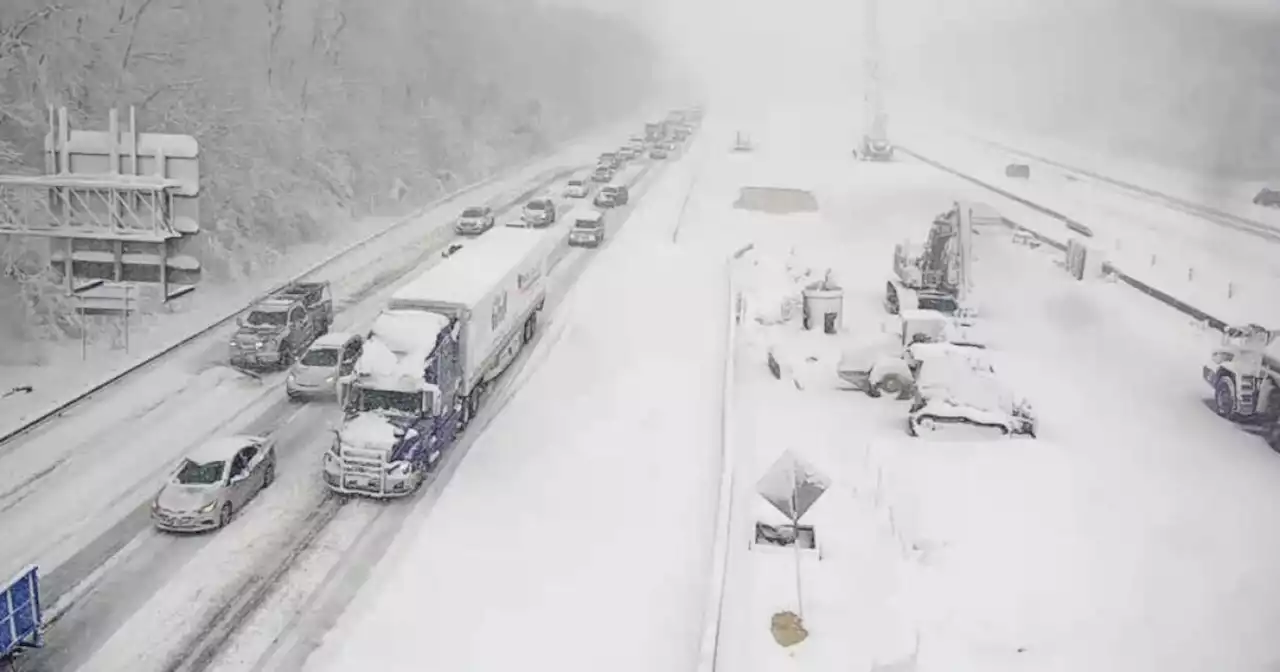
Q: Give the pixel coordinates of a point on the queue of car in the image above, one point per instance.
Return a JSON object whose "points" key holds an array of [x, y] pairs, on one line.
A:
{"points": [[289, 330]]}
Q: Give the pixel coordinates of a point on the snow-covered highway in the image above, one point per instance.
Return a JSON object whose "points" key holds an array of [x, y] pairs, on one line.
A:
{"points": [[574, 526], [101, 559]]}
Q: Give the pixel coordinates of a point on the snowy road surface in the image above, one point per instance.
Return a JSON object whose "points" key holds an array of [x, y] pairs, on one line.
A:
{"points": [[576, 534], [1133, 534], [100, 559]]}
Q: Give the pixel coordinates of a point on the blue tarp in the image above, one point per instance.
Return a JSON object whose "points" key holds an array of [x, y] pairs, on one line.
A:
{"points": [[20, 613]]}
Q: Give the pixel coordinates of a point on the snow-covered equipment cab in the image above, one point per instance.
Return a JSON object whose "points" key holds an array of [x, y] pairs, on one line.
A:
{"points": [[1244, 372], [430, 357], [934, 275], [957, 394]]}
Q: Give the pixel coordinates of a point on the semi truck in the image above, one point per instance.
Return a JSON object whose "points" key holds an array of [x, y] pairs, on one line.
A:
{"points": [[430, 357]]}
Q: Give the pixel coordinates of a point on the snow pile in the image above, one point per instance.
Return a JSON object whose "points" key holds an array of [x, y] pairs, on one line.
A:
{"points": [[399, 344]]}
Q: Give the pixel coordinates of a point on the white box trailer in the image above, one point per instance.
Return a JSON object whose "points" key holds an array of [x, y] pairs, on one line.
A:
{"points": [[493, 286]]}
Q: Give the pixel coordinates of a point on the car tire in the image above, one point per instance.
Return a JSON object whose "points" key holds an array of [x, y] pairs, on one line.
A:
{"points": [[225, 515], [268, 475], [530, 328]]}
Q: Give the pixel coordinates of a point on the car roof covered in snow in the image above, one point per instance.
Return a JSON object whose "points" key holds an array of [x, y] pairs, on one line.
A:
{"points": [[468, 275], [333, 339], [274, 304], [221, 448]]}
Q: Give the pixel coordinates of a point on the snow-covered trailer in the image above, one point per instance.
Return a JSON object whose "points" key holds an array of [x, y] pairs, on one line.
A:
{"points": [[493, 289]]}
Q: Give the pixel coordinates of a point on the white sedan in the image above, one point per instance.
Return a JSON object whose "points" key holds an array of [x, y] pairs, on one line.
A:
{"points": [[213, 482]]}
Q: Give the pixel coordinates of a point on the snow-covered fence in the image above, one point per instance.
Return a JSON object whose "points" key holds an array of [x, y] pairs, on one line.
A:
{"points": [[714, 610]]}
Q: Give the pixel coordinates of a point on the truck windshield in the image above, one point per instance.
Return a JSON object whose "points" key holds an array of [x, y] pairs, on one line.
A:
{"points": [[386, 400], [267, 318]]}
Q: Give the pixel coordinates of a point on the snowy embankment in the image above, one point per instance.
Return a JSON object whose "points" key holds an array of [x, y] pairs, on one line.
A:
{"points": [[1228, 273], [64, 373], [1136, 519], [577, 532]]}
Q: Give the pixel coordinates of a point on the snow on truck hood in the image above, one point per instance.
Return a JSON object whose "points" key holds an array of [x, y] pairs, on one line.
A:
{"points": [[369, 431]]}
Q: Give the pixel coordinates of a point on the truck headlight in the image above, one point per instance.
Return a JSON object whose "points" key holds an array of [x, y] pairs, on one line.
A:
{"points": [[400, 469]]}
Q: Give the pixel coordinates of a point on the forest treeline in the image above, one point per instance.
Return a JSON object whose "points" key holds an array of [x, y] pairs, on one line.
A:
{"points": [[307, 111]]}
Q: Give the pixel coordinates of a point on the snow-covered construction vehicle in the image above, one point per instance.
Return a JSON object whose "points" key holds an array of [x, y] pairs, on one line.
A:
{"points": [[875, 142], [957, 395], [936, 275], [430, 357], [890, 367], [1245, 375], [280, 327]]}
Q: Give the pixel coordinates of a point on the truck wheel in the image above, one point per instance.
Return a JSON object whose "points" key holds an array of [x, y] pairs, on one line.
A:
{"points": [[1224, 397], [530, 328]]}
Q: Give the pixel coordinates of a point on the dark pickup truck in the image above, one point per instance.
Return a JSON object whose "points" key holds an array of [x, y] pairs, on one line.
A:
{"points": [[280, 327]]}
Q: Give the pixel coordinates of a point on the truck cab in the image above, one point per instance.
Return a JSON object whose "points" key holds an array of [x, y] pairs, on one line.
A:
{"points": [[397, 420]]}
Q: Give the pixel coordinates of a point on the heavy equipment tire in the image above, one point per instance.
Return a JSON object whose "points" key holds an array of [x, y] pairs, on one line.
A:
{"points": [[1224, 397], [892, 384]]}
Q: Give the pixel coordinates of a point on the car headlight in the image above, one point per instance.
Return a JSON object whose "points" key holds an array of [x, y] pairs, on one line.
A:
{"points": [[208, 508], [155, 504], [293, 378]]}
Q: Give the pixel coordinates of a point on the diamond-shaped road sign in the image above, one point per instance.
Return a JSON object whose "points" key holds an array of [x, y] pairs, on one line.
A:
{"points": [[792, 486]]}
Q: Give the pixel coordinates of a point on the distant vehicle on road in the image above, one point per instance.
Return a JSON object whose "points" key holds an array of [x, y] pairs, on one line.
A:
{"points": [[280, 326], [1269, 198], [577, 188], [214, 482], [316, 373], [474, 220], [588, 229], [602, 174], [539, 212], [611, 195], [658, 153]]}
